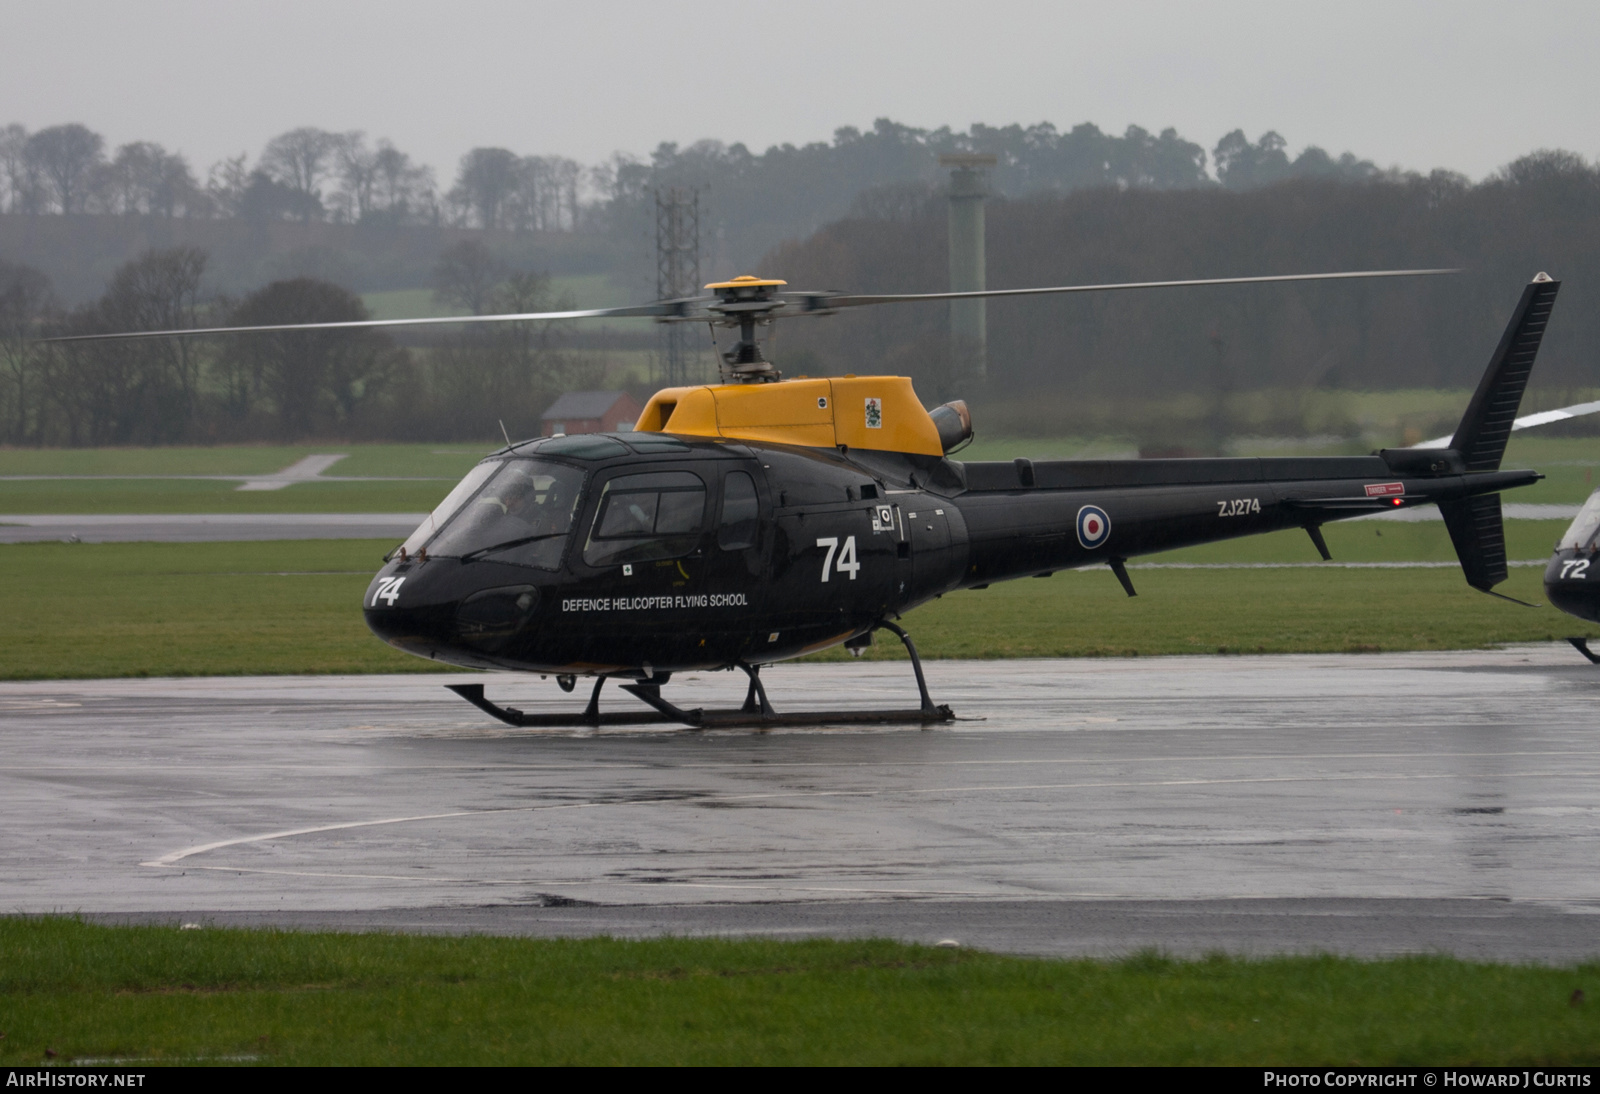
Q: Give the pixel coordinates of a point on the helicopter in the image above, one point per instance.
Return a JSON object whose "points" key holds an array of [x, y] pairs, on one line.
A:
{"points": [[1568, 582], [761, 519]]}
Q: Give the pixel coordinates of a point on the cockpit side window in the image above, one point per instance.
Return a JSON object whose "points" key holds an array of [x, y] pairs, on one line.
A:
{"points": [[1584, 525], [522, 515], [645, 517]]}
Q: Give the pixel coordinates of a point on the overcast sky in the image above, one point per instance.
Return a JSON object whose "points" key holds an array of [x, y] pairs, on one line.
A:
{"points": [[1465, 85]]}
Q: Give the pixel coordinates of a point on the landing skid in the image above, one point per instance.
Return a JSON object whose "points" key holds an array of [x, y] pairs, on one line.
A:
{"points": [[756, 712], [1582, 646]]}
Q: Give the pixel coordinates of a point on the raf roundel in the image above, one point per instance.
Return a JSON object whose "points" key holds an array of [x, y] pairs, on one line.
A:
{"points": [[1093, 526]]}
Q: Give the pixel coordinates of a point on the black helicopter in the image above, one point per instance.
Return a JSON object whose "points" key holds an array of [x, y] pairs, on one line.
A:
{"points": [[1571, 579], [760, 519]]}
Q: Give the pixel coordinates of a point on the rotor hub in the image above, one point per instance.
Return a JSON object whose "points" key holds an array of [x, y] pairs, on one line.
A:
{"points": [[746, 302]]}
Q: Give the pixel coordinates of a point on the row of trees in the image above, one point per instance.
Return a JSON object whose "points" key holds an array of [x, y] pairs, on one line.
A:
{"points": [[1541, 212], [280, 386], [750, 201], [305, 174], [315, 174]]}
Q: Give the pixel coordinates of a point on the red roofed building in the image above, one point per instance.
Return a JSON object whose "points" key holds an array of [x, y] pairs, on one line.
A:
{"points": [[591, 412]]}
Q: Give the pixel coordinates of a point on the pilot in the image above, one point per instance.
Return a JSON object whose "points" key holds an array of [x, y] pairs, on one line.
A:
{"points": [[515, 499]]}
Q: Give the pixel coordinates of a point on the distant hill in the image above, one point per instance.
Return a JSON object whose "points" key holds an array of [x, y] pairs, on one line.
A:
{"points": [[80, 252], [1541, 212]]}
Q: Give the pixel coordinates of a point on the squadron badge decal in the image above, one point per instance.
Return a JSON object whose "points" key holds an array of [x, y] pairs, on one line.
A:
{"points": [[874, 413]]}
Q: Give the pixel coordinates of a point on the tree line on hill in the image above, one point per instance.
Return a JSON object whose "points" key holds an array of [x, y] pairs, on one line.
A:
{"points": [[1049, 359], [1541, 212], [282, 386], [751, 200]]}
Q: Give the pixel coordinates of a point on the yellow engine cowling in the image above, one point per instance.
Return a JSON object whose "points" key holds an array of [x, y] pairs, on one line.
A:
{"points": [[870, 412]]}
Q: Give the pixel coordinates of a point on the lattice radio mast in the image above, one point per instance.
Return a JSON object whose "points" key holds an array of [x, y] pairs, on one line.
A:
{"points": [[677, 276]]}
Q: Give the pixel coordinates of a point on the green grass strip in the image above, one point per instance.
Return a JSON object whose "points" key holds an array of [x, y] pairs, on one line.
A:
{"points": [[184, 609], [88, 610], [163, 994]]}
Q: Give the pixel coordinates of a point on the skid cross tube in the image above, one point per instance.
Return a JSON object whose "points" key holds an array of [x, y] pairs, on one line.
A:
{"points": [[756, 712]]}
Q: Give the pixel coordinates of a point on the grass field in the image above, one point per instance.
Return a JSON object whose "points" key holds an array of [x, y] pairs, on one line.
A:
{"points": [[130, 609], [438, 466], [201, 496], [446, 459], [87, 610], [152, 995], [187, 609]]}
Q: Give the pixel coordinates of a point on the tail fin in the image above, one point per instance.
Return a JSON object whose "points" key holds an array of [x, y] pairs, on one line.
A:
{"points": [[1479, 537], [1475, 525], [1481, 436]]}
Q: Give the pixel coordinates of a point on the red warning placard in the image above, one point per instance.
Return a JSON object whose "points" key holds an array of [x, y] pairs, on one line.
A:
{"points": [[1385, 489]]}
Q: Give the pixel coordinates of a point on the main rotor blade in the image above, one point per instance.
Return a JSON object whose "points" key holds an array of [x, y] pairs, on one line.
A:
{"points": [[856, 301], [1527, 421], [658, 310]]}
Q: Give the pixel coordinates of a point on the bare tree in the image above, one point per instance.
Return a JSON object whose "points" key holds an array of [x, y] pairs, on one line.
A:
{"points": [[621, 178], [160, 290], [487, 181], [146, 178], [528, 348], [467, 275], [18, 177], [301, 159], [24, 301], [358, 174], [402, 190], [139, 392], [226, 184], [173, 186], [65, 157]]}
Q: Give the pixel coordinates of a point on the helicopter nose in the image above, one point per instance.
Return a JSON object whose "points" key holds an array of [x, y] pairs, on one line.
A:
{"points": [[1570, 586], [1575, 598], [432, 614], [409, 608]]}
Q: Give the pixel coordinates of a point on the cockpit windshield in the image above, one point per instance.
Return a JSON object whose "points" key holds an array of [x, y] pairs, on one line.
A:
{"points": [[1584, 525], [521, 513]]}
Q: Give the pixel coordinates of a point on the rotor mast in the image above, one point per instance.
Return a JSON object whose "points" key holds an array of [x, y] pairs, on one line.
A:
{"points": [[746, 303]]}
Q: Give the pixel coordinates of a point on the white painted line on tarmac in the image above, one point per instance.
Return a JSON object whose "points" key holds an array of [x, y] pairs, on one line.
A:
{"points": [[176, 856], [302, 470], [172, 858]]}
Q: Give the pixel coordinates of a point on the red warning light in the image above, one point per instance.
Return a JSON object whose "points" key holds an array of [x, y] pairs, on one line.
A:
{"points": [[1397, 501]]}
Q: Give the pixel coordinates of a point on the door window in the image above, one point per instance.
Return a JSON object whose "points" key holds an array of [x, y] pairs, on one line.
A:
{"points": [[740, 510], [645, 517]]}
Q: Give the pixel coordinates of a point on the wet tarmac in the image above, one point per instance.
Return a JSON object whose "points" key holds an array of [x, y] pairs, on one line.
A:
{"points": [[1364, 804]]}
